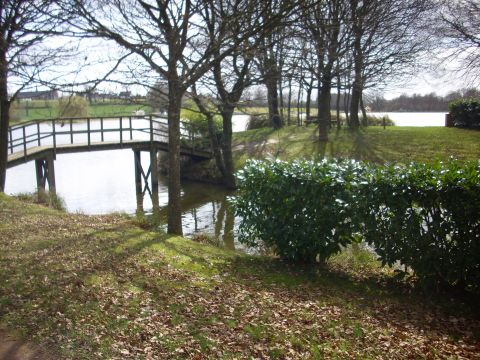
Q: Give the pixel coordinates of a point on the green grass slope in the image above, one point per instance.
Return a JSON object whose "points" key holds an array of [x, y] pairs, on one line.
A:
{"points": [[394, 144]]}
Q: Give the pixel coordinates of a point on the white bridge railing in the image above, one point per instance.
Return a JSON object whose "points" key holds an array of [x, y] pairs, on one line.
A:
{"points": [[52, 133]]}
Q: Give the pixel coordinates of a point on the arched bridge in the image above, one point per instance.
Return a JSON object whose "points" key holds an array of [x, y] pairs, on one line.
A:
{"points": [[42, 140]]}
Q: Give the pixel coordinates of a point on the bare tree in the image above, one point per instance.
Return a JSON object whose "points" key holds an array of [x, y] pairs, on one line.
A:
{"points": [[231, 77], [170, 38], [228, 80], [460, 31], [388, 38], [158, 96], [325, 23], [25, 27], [271, 51]]}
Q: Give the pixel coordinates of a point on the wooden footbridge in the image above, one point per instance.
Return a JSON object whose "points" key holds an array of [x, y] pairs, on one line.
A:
{"points": [[42, 140]]}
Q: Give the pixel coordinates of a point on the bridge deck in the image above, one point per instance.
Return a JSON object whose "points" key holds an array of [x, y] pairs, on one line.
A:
{"points": [[36, 152]]}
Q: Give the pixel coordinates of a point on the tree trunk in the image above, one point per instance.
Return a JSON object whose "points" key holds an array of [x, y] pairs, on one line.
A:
{"points": [[227, 114], [280, 96], [355, 104], [272, 78], [339, 90], [364, 112], [289, 103], [216, 148], [299, 101], [324, 102], [273, 108], [4, 122], [217, 151], [174, 208], [346, 105], [309, 99], [324, 116], [357, 85]]}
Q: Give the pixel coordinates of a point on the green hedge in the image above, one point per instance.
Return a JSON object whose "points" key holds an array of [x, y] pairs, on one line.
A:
{"points": [[465, 113], [258, 121], [426, 217], [303, 209]]}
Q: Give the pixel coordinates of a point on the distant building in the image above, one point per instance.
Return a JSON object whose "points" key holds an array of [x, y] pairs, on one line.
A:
{"points": [[38, 95], [97, 97], [125, 95]]}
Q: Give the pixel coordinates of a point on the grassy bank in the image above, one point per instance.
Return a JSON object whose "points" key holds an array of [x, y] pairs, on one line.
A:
{"points": [[394, 144], [101, 286]]}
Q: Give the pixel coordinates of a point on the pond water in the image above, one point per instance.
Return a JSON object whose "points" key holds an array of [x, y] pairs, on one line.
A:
{"points": [[103, 182]]}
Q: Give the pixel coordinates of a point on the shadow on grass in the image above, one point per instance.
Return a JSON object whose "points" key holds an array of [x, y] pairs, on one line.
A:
{"points": [[342, 143], [112, 251], [363, 149], [383, 297]]}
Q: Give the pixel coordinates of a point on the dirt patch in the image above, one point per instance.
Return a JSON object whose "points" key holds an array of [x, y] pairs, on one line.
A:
{"points": [[14, 348]]}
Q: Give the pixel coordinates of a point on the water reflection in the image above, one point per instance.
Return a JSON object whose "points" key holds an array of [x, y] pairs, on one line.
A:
{"points": [[206, 210]]}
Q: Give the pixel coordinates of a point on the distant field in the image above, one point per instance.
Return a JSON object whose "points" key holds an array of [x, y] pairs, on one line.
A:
{"points": [[40, 109], [117, 110]]}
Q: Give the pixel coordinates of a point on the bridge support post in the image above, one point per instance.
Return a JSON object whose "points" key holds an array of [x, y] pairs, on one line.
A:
{"points": [[154, 176], [146, 181], [45, 171], [138, 179]]}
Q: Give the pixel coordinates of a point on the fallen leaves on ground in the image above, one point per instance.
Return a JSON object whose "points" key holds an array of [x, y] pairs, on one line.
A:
{"points": [[98, 286]]}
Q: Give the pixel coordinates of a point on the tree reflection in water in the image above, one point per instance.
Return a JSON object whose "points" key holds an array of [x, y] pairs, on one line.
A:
{"points": [[205, 209]]}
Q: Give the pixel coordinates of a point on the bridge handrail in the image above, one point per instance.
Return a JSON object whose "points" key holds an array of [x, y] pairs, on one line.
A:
{"points": [[84, 119], [24, 140]]}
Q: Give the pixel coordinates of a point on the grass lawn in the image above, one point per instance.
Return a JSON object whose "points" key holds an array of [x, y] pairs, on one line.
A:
{"points": [[103, 287], [48, 110], [263, 110], [374, 144], [99, 110]]}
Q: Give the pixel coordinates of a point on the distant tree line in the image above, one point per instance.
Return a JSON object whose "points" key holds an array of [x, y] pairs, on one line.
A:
{"points": [[419, 103]]}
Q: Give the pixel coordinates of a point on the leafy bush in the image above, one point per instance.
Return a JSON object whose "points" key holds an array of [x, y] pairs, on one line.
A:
{"points": [[194, 120], [374, 120], [465, 112], [258, 121], [72, 106], [196, 124], [427, 217], [302, 209], [423, 216]]}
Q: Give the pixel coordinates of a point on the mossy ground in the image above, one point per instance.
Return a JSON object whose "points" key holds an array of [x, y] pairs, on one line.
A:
{"points": [[102, 287]]}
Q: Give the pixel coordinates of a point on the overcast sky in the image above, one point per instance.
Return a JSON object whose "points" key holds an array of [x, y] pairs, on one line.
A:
{"points": [[439, 79], [426, 83]]}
